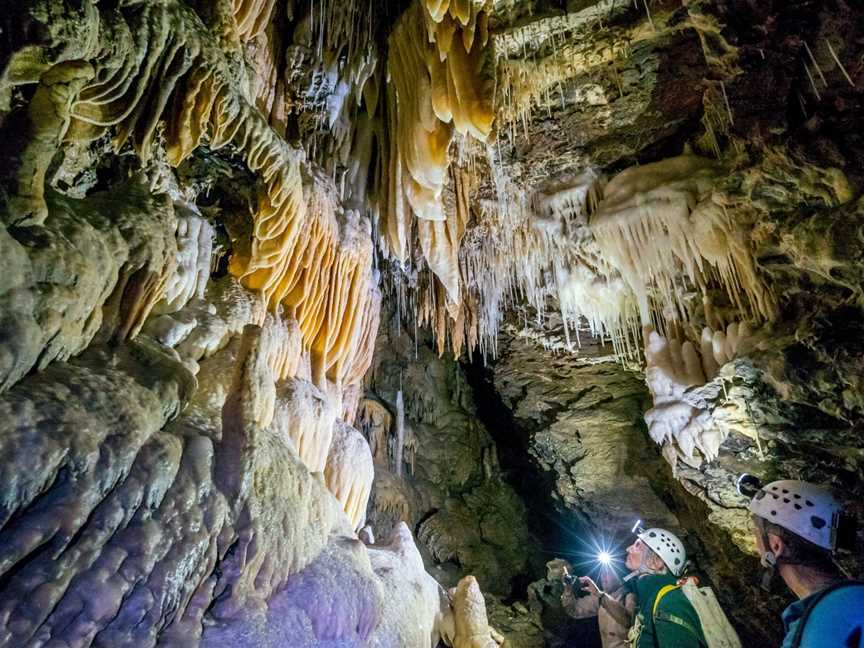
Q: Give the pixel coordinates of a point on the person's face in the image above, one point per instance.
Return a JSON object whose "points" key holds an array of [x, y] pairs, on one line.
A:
{"points": [[635, 555]]}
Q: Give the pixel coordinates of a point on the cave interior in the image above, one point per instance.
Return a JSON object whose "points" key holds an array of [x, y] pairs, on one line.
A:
{"points": [[350, 323]]}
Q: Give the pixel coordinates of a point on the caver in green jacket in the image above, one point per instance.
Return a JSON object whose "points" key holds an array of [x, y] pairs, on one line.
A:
{"points": [[673, 624]]}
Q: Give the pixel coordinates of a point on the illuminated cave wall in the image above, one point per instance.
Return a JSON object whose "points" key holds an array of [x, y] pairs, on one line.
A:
{"points": [[278, 278]]}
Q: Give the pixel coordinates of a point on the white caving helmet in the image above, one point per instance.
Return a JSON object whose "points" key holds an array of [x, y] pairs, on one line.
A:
{"points": [[807, 510], [666, 545]]}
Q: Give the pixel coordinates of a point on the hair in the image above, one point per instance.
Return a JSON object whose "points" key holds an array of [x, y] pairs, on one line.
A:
{"points": [[800, 551], [653, 554]]}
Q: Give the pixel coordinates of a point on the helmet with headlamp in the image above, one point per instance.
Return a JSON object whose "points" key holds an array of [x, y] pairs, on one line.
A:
{"points": [[665, 544], [807, 510]]}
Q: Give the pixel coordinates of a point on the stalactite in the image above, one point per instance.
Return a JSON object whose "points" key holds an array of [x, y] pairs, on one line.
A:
{"points": [[399, 439], [375, 421], [303, 254], [251, 17], [673, 367], [654, 225], [411, 446], [436, 87], [194, 256]]}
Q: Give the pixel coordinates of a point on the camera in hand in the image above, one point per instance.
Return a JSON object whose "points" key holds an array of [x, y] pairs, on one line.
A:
{"points": [[573, 583]]}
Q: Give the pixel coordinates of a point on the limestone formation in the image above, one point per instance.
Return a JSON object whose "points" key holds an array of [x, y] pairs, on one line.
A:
{"points": [[483, 279]]}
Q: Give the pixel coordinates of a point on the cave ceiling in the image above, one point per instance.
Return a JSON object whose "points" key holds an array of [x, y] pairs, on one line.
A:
{"points": [[278, 276]]}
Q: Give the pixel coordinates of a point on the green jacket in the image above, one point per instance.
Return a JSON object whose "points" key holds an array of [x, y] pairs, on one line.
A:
{"points": [[675, 623]]}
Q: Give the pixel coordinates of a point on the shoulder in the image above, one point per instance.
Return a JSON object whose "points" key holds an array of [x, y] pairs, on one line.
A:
{"points": [[837, 616], [676, 607], [676, 602], [845, 593], [651, 584]]}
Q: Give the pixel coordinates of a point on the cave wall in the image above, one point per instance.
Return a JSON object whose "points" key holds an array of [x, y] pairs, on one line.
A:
{"points": [[450, 486], [201, 205], [187, 310], [140, 498], [581, 420]]}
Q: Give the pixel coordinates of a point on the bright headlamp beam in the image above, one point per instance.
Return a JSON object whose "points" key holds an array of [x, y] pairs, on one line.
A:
{"points": [[604, 558]]}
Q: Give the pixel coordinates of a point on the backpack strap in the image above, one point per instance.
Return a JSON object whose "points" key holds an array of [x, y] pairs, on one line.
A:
{"points": [[817, 599], [661, 615], [663, 592]]}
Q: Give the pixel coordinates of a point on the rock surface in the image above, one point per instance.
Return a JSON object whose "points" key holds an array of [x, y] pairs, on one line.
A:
{"points": [[451, 490], [203, 205]]}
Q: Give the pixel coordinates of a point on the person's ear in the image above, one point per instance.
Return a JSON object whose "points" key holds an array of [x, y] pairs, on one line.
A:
{"points": [[776, 545]]}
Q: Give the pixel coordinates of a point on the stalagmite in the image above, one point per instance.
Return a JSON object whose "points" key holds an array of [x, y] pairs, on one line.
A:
{"points": [[304, 417], [349, 472], [469, 610], [413, 593], [399, 439]]}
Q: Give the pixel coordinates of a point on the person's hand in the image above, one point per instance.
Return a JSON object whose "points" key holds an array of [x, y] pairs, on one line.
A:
{"points": [[589, 585]]}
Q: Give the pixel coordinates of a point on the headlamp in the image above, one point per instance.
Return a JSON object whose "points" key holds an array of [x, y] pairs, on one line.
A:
{"points": [[748, 485], [604, 558], [638, 528]]}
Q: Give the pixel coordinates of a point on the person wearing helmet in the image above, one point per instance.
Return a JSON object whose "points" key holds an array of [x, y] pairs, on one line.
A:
{"points": [[664, 616], [797, 527]]}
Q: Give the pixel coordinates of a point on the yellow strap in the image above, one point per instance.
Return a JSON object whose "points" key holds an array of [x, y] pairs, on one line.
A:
{"points": [[663, 592]]}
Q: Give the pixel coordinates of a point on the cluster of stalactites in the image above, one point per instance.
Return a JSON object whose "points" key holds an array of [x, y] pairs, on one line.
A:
{"points": [[436, 55], [431, 300], [302, 258], [614, 256], [251, 17], [658, 225], [679, 421], [305, 253], [391, 439], [523, 250]]}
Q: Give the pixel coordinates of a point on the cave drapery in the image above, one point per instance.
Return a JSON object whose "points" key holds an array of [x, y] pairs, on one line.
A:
{"points": [[345, 323]]}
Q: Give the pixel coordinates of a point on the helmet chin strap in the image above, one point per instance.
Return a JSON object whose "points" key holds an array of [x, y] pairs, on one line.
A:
{"points": [[769, 562]]}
